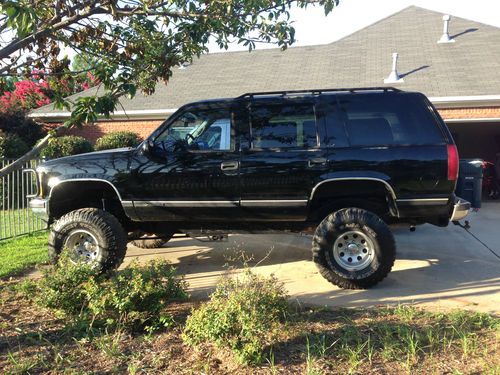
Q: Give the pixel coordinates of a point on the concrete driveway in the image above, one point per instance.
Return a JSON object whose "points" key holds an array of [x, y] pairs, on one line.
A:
{"points": [[442, 268]]}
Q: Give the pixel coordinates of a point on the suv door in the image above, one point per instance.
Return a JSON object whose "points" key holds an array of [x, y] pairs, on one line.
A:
{"points": [[192, 170], [280, 160]]}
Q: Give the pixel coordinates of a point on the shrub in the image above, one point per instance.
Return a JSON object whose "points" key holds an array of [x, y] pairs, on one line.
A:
{"points": [[66, 146], [133, 297], [243, 314], [12, 146], [16, 123], [117, 140], [61, 287]]}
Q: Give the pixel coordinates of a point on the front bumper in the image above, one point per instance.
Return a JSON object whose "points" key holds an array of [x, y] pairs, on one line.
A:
{"points": [[39, 207], [460, 209]]}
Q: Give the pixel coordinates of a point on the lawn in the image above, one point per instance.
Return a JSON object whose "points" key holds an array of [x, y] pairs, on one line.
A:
{"points": [[20, 253], [16, 222]]}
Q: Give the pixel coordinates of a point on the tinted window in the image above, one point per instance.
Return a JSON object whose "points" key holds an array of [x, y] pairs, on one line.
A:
{"points": [[375, 119], [333, 134], [283, 126]]}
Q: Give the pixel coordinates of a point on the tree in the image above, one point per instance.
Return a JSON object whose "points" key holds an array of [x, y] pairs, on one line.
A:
{"points": [[133, 43]]}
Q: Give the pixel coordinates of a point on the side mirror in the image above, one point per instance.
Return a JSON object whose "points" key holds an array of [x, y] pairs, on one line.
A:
{"points": [[147, 147]]}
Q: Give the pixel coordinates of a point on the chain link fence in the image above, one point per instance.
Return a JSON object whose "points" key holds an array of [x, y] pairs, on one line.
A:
{"points": [[16, 217]]}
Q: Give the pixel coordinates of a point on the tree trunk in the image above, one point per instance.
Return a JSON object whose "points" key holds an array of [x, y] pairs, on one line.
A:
{"points": [[30, 154]]}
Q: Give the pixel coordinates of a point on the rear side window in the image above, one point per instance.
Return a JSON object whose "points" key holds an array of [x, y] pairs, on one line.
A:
{"points": [[283, 126], [378, 120]]}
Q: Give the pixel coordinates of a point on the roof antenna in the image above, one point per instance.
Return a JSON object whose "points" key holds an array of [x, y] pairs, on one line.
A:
{"points": [[394, 77], [445, 38]]}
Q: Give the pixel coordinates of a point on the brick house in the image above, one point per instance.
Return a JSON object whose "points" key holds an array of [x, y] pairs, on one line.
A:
{"points": [[460, 74]]}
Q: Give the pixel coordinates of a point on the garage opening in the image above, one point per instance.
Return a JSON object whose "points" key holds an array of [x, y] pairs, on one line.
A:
{"points": [[477, 140]]}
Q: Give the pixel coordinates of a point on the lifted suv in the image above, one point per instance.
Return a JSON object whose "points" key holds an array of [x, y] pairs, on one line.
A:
{"points": [[339, 164]]}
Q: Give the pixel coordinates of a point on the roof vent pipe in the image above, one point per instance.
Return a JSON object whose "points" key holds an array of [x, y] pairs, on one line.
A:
{"points": [[394, 76], [445, 38]]}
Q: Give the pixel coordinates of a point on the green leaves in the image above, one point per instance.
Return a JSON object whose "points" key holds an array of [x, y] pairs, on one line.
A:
{"points": [[21, 17], [134, 46]]}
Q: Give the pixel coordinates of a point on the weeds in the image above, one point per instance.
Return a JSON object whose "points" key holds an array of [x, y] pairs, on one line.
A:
{"points": [[243, 314], [133, 297]]}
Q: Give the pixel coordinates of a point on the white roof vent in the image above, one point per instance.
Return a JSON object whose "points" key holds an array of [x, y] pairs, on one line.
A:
{"points": [[394, 76], [445, 38]]}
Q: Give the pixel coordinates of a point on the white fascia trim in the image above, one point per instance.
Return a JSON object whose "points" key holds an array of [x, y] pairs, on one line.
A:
{"points": [[482, 119], [465, 101], [145, 114]]}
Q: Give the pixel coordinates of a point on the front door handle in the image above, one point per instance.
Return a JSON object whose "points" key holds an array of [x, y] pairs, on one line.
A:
{"points": [[316, 161], [229, 165]]}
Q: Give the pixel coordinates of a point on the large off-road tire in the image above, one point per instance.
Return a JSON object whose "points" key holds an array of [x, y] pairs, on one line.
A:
{"points": [[90, 235], [151, 243], [353, 248]]}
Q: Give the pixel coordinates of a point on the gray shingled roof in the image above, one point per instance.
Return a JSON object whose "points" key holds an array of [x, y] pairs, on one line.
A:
{"points": [[469, 67]]}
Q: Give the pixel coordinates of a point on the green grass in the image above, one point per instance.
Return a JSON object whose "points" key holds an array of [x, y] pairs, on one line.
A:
{"points": [[18, 254], [16, 222]]}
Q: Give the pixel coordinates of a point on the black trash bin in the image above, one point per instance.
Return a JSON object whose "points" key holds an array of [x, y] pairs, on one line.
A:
{"points": [[470, 180]]}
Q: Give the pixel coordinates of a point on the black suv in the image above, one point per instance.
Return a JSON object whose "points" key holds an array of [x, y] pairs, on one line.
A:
{"points": [[339, 164]]}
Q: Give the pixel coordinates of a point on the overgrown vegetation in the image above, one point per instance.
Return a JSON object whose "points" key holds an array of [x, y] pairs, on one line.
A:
{"points": [[18, 133], [66, 146], [19, 254], [117, 140], [132, 298], [243, 314], [77, 321]]}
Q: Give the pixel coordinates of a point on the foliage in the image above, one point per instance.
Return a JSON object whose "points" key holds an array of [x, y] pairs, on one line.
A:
{"points": [[25, 95], [16, 123], [134, 43], [38, 90], [12, 146], [66, 146], [117, 140], [243, 314], [132, 297]]}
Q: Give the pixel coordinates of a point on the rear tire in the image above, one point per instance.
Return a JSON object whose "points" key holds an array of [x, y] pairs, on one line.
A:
{"points": [[353, 248], [146, 243], [91, 235]]}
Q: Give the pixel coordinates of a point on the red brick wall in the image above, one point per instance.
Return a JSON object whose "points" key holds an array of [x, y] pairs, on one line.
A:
{"points": [[145, 127], [470, 113], [92, 132]]}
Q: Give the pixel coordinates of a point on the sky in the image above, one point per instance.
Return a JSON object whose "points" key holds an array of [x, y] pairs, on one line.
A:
{"points": [[312, 27]]}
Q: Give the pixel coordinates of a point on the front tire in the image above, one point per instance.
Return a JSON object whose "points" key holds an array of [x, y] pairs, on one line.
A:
{"points": [[91, 236], [353, 248]]}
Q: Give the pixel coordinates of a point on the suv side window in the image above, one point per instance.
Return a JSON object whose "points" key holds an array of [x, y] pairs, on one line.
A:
{"points": [[333, 134], [388, 119], [283, 126], [199, 129]]}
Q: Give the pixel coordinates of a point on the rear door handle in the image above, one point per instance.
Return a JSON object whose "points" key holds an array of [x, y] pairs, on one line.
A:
{"points": [[229, 165], [316, 161]]}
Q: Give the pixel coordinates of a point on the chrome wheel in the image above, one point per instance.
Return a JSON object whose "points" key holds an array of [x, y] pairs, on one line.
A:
{"points": [[353, 250], [82, 245]]}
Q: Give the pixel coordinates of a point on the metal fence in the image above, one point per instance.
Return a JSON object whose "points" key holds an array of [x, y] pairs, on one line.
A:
{"points": [[15, 216]]}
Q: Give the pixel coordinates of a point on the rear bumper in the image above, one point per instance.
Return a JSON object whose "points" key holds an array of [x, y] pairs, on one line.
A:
{"points": [[460, 209], [39, 207]]}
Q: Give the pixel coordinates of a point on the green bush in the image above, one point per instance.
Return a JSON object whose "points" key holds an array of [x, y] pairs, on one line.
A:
{"points": [[12, 146], [16, 123], [117, 140], [62, 287], [132, 297], [66, 146], [243, 314]]}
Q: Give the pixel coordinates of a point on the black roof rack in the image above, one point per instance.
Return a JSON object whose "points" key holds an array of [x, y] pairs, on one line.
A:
{"points": [[316, 92]]}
